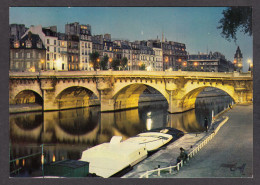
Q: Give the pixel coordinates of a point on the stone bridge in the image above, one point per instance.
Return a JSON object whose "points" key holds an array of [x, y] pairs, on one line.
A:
{"points": [[118, 90]]}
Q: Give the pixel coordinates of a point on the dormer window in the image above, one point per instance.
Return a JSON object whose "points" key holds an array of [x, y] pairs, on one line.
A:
{"points": [[16, 44], [39, 44], [28, 44]]}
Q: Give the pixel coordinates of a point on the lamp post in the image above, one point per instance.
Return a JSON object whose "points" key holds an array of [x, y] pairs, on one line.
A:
{"points": [[249, 61], [166, 61], [110, 61], [42, 62], [195, 65], [184, 64], [53, 65], [98, 60]]}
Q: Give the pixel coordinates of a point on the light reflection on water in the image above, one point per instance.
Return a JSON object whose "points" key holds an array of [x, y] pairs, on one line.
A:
{"points": [[67, 133]]}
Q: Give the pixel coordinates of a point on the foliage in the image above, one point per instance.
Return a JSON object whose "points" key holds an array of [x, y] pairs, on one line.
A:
{"points": [[104, 63], [94, 60], [142, 67], [115, 64], [236, 18], [123, 63]]}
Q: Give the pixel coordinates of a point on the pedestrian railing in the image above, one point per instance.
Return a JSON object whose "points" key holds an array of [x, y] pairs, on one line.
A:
{"points": [[177, 167]]}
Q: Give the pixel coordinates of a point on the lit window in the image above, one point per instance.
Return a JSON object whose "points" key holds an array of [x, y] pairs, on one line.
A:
{"points": [[28, 44], [28, 55], [16, 44]]}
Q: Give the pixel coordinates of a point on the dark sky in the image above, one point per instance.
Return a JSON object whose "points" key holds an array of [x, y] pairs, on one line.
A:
{"points": [[194, 26]]}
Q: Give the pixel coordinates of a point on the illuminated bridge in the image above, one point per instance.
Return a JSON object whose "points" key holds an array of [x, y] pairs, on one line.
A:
{"points": [[118, 90]]}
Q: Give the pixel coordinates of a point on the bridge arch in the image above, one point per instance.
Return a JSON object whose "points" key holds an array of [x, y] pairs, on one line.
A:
{"points": [[27, 96], [189, 97], [127, 95], [74, 97]]}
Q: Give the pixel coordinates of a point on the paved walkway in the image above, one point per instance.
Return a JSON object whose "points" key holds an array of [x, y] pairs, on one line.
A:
{"points": [[228, 154]]}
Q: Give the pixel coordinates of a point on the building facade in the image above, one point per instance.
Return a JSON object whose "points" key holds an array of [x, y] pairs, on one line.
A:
{"points": [[212, 62], [27, 54], [51, 44], [62, 62], [75, 28], [174, 53]]}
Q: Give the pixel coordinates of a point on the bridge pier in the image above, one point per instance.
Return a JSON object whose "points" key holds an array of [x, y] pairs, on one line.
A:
{"points": [[49, 102], [179, 105], [111, 104]]}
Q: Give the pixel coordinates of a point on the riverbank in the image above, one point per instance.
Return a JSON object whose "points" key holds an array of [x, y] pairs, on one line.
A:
{"points": [[167, 156]]}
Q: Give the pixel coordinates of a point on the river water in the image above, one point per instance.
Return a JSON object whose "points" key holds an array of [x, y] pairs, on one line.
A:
{"points": [[65, 134]]}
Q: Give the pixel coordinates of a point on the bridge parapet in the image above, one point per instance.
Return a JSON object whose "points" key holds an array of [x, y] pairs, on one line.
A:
{"points": [[166, 74]]}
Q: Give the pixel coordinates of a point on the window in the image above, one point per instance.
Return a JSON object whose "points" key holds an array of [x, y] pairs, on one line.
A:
{"points": [[39, 44], [54, 42], [28, 44], [59, 50], [63, 67], [48, 56], [48, 48], [54, 56], [16, 55], [54, 49], [28, 55], [48, 41], [48, 65], [28, 65], [16, 44]]}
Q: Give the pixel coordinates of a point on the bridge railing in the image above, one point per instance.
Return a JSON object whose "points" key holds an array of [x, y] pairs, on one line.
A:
{"points": [[131, 73]]}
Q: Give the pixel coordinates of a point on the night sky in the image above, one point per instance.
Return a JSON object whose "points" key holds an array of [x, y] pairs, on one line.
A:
{"points": [[194, 26]]}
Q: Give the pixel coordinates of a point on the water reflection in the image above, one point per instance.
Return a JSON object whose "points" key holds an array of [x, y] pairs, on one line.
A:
{"points": [[67, 133]]}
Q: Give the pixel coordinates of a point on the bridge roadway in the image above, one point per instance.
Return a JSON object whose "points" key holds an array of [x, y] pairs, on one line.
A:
{"points": [[228, 154], [118, 90]]}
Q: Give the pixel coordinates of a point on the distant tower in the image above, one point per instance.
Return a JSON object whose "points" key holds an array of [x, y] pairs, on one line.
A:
{"points": [[238, 60]]}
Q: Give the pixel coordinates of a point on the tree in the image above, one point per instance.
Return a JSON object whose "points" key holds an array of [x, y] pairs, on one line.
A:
{"points": [[115, 64], [104, 62], [123, 63], [236, 18], [142, 67], [94, 58]]}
